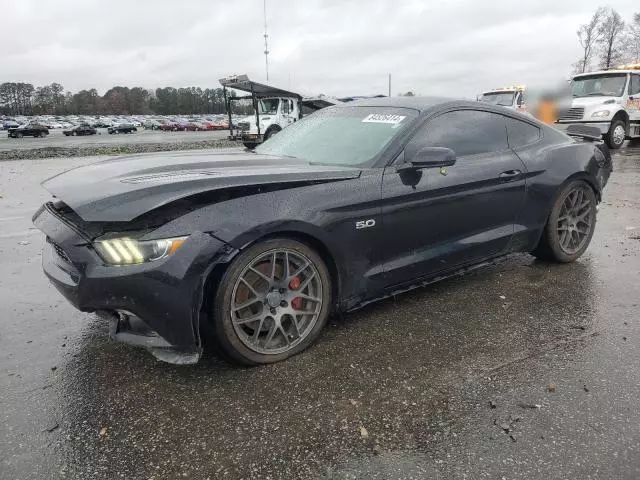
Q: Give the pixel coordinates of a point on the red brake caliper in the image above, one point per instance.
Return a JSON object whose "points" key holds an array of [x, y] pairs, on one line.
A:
{"points": [[294, 284]]}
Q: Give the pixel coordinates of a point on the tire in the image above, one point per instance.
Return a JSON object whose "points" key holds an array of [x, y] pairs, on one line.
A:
{"points": [[250, 145], [279, 336], [19, 135], [42, 134], [271, 132], [616, 134], [566, 217]]}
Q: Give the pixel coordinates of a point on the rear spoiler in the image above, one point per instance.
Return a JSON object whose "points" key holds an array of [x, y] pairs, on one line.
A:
{"points": [[585, 132]]}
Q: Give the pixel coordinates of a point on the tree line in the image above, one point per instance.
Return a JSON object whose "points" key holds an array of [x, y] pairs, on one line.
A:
{"points": [[25, 99], [607, 41]]}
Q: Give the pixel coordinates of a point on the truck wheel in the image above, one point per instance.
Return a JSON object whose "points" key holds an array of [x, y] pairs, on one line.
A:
{"points": [[250, 145], [271, 132], [616, 134]]}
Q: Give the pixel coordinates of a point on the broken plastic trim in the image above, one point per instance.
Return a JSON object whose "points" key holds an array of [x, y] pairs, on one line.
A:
{"points": [[127, 328]]}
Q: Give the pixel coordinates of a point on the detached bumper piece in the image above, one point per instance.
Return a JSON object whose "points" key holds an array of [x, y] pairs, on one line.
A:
{"points": [[126, 328]]}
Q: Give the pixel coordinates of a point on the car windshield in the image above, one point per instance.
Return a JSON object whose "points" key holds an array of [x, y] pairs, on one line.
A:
{"points": [[498, 98], [340, 136], [268, 105], [609, 85]]}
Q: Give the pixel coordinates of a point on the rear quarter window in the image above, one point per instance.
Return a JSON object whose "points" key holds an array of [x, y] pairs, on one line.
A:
{"points": [[521, 133]]}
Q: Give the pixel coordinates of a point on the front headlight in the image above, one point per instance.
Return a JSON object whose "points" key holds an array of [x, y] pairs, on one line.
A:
{"points": [[128, 251], [600, 114]]}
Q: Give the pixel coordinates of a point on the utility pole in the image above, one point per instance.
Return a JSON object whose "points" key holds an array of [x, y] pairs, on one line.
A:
{"points": [[266, 47], [389, 84]]}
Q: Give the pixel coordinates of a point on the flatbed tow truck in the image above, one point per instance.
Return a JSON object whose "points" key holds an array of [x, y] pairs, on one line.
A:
{"points": [[274, 109]]}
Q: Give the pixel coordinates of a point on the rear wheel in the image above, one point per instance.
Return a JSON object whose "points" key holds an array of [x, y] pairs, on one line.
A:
{"points": [[272, 302], [571, 224], [250, 145], [616, 134]]}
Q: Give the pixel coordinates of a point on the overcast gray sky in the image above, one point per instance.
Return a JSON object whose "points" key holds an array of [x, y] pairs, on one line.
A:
{"points": [[336, 47]]}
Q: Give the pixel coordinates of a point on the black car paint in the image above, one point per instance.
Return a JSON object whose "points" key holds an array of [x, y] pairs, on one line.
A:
{"points": [[123, 128], [28, 131], [487, 216], [80, 130]]}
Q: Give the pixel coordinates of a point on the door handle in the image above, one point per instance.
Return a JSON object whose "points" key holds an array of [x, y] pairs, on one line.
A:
{"points": [[510, 175]]}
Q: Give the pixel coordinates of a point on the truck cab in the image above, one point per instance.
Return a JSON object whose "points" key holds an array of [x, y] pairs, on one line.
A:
{"points": [[608, 100], [274, 109], [274, 114], [511, 97]]}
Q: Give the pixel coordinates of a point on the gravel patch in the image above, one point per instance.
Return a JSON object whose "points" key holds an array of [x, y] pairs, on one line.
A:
{"points": [[91, 150]]}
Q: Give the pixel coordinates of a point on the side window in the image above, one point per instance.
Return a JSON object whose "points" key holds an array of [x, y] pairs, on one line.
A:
{"points": [[634, 85], [286, 106], [466, 132], [521, 133]]}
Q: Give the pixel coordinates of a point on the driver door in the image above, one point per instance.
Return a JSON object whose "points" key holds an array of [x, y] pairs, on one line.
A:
{"points": [[287, 111], [441, 219]]}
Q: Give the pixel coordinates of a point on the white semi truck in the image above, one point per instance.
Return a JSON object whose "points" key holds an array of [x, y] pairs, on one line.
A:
{"points": [[608, 100]]}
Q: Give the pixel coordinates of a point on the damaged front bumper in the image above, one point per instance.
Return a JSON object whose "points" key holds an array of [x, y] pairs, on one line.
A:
{"points": [[156, 305]]}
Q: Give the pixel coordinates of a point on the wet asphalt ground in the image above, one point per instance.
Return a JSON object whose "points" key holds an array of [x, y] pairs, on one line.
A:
{"points": [[57, 139], [521, 370]]}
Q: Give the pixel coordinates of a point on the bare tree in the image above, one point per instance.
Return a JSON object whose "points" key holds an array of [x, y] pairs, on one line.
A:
{"points": [[611, 38], [588, 35], [633, 39]]}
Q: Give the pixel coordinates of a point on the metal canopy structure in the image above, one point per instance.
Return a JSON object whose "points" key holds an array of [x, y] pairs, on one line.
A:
{"points": [[260, 90]]}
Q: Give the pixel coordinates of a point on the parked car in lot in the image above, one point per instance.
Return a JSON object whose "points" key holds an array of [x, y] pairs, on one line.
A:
{"points": [[28, 130], [354, 203], [152, 124], [122, 128], [10, 124], [168, 126], [82, 129], [102, 123]]}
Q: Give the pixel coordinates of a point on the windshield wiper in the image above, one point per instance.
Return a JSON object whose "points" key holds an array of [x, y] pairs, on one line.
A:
{"points": [[595, 94]]}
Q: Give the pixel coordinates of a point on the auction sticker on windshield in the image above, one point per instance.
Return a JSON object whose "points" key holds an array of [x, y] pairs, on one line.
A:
{"points": [[382, 118]]}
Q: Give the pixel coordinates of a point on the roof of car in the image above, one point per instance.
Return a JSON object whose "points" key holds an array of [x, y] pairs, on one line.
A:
{"points": [[417, 103], [421, 104]]}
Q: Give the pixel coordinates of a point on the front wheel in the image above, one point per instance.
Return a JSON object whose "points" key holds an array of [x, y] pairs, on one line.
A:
{"points": [[271, 132], [571, 224], [616, 134], [272, 302]]}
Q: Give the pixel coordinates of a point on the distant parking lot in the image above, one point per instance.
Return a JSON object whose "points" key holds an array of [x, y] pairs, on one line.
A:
{"points": [[57, 139]]}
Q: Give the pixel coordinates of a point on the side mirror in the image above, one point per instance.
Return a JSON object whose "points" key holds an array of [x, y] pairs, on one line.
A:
{"points": [[430, 157]]}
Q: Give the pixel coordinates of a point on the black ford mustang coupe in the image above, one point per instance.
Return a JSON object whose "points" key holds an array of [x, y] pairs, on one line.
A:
{"points": [[351, 204]]}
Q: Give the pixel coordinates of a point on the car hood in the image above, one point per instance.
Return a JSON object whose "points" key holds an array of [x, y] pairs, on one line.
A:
{"points": [[123, 188]]}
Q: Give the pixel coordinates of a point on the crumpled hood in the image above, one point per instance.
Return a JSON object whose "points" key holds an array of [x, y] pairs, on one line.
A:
{"points": [[121, 189]]}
